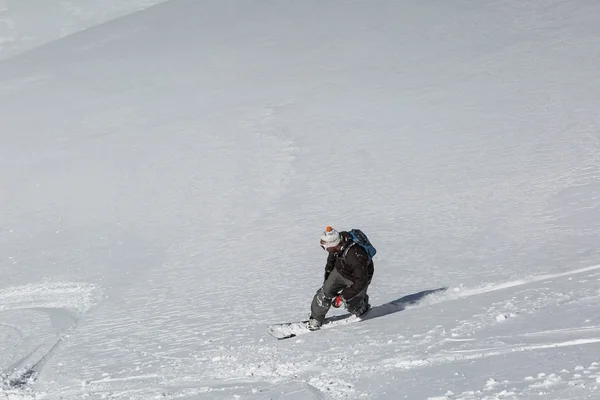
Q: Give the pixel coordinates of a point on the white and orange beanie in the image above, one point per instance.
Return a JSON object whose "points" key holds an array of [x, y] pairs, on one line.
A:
{"points": [[330, 238]]}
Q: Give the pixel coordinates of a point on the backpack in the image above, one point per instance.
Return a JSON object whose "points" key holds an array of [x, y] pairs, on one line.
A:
{"points": [[358, 237]]}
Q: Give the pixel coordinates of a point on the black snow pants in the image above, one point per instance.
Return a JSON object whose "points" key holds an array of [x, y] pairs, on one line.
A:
{"points": [[331, 287]]}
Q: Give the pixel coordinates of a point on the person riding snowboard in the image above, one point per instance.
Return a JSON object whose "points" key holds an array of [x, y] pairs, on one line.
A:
{"points": [[348, 273]]}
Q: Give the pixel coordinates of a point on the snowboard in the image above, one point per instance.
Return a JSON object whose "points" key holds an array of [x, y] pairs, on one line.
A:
{"points": [[288, 330]]}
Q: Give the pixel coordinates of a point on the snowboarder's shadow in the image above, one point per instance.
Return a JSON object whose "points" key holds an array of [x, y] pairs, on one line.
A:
{"points": [[391, 307]]}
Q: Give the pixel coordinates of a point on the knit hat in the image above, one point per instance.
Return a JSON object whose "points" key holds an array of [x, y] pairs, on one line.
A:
{"points": [[330, 238]]}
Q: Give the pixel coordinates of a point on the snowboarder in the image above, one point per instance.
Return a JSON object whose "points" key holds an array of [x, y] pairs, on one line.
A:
{"points": [[348, 273]]}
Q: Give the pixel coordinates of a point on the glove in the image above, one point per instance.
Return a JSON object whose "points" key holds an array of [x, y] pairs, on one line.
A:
{"points": [[337, 301]]}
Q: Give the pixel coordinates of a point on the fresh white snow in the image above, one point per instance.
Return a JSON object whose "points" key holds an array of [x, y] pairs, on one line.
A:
{"points": [[25, 24], [165, 178]]}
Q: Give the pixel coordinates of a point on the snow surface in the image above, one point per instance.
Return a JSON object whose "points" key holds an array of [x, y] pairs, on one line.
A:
{"points": [[25, 24], [165, 178]]}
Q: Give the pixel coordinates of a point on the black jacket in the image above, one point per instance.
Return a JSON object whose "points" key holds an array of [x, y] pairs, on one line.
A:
{"points": [[357, 268]]}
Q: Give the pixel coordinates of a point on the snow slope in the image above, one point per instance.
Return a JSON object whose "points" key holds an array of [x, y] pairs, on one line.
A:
{"points": [[25, 24], [165, 178]]}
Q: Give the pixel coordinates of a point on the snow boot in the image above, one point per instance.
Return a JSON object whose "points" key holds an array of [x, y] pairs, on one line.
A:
{"points": [[314, 324]]}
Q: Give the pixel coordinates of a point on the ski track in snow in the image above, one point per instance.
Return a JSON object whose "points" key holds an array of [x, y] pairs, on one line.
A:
{"points": [[492, 288], [444, 346], [268, 366], [431, 340], [540, 385], [41, 317], [73, 296], [255, 367]]}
